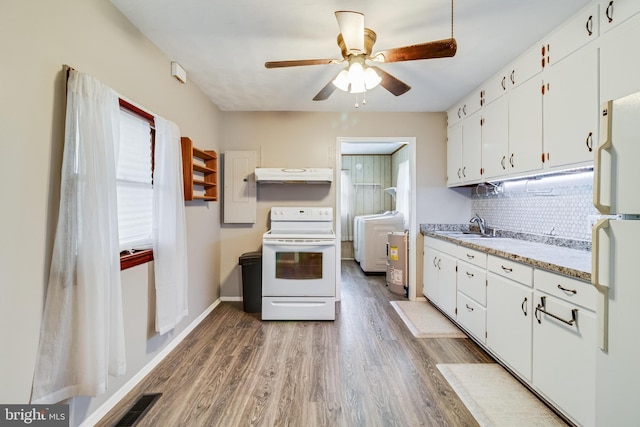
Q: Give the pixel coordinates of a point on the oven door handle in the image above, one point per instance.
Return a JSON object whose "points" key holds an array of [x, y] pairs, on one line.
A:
{"points": [[299, 243]]}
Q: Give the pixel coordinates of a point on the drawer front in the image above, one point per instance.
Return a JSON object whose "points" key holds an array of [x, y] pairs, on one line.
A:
{"points": [[472, 317], [513, 270], [472, 281], [566, 288], [441, 245], [472, 256]]}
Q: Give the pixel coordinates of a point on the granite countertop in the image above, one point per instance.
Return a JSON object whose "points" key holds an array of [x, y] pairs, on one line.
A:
{"points": [[561, 256]]}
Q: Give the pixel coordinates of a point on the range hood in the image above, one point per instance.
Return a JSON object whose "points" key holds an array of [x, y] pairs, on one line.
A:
{"points": [[294, 176]]}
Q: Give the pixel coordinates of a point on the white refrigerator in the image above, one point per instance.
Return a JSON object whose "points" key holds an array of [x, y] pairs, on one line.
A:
{"points": [[616, 263]]}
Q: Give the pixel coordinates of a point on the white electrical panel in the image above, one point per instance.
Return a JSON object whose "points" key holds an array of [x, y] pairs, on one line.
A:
{"points": [[239, 202]]}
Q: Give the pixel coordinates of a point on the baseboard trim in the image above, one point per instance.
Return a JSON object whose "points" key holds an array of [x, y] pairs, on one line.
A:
{"points": [[103, 409], [230, 298]]}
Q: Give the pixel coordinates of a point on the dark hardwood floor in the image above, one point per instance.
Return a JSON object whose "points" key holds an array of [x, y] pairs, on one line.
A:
{"points": [[364, 369]]}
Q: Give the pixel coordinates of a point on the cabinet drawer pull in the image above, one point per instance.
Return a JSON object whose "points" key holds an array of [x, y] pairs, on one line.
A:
{"points": [[506, 269], [470, 256], [469, 275], [523, 307], [589, 25], [572, 291], [541, 308], [609, 11], [469, 308]]}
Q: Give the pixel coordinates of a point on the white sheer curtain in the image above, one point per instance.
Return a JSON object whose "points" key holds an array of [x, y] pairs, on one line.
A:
{"points": [[346, 206], [403, 191], [82, 331], [169, 228]]}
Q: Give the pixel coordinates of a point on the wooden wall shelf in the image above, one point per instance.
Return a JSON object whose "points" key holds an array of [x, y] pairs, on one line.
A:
{"points": [[200, 172]]}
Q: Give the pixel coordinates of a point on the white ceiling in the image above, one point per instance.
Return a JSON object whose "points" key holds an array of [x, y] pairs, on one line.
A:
{"points": [[223, 45]]}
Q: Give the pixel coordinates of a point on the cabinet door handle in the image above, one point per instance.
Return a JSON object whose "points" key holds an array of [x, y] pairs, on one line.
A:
{"points": [[512, 77], [511, 160], [469, 275], [468, 307], [589, 25], [609, 11], [571, 291], [459, 111], [541, 308], [502, 162], [506, 269], [439, 264], [459, 173], [435, 261], [504, 83], [523, 307], [589, 142], [464, 172]]}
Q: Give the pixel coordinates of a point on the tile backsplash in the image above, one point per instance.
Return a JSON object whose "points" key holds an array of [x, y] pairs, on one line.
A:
{"points": [[552, 206]]}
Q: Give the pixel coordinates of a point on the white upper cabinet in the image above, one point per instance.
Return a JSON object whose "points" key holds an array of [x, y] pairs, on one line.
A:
{"points": [[454, 155], [525, 127], [620, 60], [571, 119], [464, 108], [464, 152], [497, 86], [579, 31], [525, 67], [614, 12], [495, 139]]}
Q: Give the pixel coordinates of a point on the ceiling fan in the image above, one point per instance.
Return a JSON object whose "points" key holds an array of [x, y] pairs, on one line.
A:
{"points": [[356, 43]]}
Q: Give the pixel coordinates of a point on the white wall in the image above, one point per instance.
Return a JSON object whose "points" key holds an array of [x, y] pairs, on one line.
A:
{"points": [[291, 139], [36, 38]]}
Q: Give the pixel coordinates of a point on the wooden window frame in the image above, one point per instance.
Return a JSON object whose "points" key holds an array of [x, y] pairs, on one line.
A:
{"points": [[130, 259]]}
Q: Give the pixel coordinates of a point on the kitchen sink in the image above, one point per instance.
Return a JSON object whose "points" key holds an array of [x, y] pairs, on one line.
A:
{"points": [[465, 234]]}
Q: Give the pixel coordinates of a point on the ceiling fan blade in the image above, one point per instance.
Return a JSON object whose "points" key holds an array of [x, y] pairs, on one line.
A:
{"points": [[326, 91], [436, 49], [352, 29], [390, 83], [300, 62]]}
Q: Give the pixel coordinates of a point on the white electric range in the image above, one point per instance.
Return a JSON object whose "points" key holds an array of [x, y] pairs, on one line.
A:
{"points": [[298, 265]]}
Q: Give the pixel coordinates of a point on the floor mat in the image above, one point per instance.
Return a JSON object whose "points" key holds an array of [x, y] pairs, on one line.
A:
{"points": [[495, 398], [425, 321]]}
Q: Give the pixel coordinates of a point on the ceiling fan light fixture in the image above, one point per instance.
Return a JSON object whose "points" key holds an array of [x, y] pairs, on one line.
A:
{"points": [[342, 81], [371, 78]]}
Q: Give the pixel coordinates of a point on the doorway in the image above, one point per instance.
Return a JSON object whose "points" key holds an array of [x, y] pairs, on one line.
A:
{"points": [[372, 165]]}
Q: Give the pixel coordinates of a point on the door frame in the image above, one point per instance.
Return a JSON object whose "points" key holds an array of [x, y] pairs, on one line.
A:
{"points": [[413, 229]]}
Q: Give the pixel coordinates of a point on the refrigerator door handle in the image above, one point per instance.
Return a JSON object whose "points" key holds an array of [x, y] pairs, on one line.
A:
{"points": [[597, 162], [602, 310]]}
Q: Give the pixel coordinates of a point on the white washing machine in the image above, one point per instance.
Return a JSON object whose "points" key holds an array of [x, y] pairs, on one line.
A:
{"points": [[358, 232], [373, 242]]}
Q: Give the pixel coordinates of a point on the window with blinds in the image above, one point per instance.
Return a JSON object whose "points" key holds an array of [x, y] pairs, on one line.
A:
{"points": [[134, 175]]}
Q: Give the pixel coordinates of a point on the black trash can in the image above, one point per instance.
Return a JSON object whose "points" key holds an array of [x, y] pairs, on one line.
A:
{"points": [[251, 263]]}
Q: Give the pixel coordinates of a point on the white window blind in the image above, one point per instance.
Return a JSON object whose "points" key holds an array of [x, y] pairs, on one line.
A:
{"points": [[134, 183]]}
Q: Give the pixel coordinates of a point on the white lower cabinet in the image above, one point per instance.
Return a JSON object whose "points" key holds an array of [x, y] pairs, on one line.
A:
{"points": [[564, 339], [509, 314], [439, 274], [472, 316]]}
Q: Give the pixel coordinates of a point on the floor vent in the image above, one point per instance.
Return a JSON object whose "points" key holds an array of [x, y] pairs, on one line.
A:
{"points": [[138, 410]]}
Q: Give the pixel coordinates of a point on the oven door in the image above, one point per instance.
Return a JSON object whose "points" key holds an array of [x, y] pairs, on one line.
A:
{"points": [[298, 268]]}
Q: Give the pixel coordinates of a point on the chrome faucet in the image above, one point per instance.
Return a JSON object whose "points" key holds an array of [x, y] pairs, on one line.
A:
{"points": [[481, 223]]}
